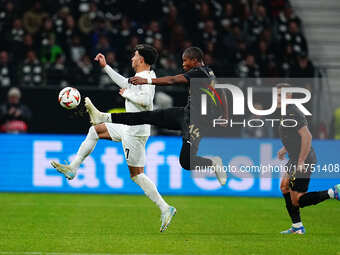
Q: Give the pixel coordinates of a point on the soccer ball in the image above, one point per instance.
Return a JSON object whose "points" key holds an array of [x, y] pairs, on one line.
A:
{"points": [[69, 98]]}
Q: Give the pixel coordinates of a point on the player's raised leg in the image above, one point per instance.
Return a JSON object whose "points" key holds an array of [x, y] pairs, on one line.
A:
{"points": [[293, 211], [96, 116], [299, 198], [189, 160], [312, 198], [170, 118], [87, 146]]}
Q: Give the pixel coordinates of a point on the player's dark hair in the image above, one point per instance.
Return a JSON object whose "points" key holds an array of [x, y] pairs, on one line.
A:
{"points": [[148, 52], [194, 53]]}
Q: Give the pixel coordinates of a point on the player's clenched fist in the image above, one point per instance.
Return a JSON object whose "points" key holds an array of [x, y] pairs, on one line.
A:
{"points": [[101, 60]]}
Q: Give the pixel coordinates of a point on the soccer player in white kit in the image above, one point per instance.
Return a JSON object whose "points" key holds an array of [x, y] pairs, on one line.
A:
{"points": [[133, 138]]}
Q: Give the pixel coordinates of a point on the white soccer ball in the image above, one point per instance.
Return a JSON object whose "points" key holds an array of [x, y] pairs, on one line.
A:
{"points": [[69, 98]]}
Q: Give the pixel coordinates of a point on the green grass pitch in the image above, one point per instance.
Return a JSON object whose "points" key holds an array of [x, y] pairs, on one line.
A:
{"points": [[65, 224]]}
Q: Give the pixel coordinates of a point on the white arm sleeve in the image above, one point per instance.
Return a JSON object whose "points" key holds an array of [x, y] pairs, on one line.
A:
{"points": [[143, 96], [120, 80]]}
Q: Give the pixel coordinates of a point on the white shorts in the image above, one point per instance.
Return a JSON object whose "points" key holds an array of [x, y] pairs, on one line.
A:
{"points": [[133, 146]]}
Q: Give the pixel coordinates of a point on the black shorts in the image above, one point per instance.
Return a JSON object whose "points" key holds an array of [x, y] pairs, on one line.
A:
{"points": [[299, 181]]}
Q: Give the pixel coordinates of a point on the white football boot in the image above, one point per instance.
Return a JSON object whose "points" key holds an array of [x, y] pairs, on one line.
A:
{"points": [[167, 217], [96, 116], [219, 171], [66, 170]]}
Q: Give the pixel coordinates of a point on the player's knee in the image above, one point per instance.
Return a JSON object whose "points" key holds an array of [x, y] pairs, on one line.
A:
{"points": [[284, 190], [93, 130], [295, 201], [284, 187], [185, 166], [100, 131], [185, 162], [98, 128], [134, 171]]}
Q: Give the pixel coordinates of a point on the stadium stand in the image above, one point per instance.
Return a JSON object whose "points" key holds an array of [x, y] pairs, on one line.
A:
{"points": [[50, 44]]}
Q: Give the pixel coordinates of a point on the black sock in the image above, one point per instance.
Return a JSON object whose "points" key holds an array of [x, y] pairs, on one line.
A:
{"points": [[189, 160], [294, 211], [313, 198], [200, 161]]}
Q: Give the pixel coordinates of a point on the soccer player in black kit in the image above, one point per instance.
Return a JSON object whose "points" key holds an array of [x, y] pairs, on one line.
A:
{"points": [[177, 118], [294, 185]]}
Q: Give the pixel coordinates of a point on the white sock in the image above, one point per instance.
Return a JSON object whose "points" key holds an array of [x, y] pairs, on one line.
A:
{"points": [[150, 191], [297, 225], [85, 148], [331, 193]]}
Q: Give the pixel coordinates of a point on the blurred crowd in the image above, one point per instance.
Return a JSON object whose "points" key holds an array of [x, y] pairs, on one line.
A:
{"points": [[53, 42], [15, 117]]}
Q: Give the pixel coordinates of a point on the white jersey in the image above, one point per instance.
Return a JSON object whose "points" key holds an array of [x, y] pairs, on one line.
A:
{"points": [[138, 98]]}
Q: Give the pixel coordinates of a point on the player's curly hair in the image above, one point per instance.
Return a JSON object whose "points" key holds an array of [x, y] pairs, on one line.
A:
{"points": [[148, 52], [194, 53]]}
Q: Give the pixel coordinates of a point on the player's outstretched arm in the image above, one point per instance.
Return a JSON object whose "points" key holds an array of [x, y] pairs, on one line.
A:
{"points": [[162, 81], [120, 80], [143, 97]]}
